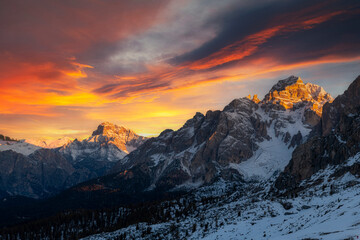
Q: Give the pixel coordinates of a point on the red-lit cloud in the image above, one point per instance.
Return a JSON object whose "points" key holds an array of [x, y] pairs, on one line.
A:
{"points": [[67, 63]]}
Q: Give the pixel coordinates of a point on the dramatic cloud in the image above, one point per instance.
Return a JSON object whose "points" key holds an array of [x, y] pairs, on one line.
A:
{"points": [[251, 33], [43, 39], [70, 64]]}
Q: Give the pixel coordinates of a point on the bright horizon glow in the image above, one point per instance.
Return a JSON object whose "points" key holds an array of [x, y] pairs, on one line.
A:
{"points": [[64, 71]]}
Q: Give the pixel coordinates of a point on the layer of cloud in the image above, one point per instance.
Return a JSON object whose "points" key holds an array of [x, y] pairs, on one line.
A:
{"points": [[284, 33], [64, 63]]}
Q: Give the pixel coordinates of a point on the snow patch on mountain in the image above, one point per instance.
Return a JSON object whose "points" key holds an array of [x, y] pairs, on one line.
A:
{"points": [[28, 146], [50, 143], [273, 154], [19, 147], [334, 217], [108, 142]]}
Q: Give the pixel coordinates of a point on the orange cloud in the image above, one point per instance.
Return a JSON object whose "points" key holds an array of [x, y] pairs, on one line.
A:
{"points": [[43, 83], [32, 89], [164, 78], [250, 44], [40, 39]]}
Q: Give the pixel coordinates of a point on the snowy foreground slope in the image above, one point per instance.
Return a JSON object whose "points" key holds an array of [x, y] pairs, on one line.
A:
{"points": [[327, 208]]}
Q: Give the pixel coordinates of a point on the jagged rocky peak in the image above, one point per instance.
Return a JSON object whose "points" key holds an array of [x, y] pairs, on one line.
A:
{"points": [[281, 85], [255, 98], [318, 93], [28, 146], [109, 133], [109, 143], [248, 139], [48, 143], [292, 93], [112, 130], [241, 141]]}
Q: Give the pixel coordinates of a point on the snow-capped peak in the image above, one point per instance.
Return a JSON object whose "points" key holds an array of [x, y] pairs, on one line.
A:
{"points": [[111, 130], [112, 142], [120, 136]]}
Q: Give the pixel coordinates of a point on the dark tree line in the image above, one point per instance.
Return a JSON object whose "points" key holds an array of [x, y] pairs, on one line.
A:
{"points": [[76, 224]]}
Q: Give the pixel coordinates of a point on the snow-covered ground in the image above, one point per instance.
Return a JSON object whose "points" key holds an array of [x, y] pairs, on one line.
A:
{"points": [[335, 216], [326, 210]]}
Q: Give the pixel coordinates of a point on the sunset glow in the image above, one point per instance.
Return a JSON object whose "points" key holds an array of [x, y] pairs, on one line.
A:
{"points": [[150, 65]]}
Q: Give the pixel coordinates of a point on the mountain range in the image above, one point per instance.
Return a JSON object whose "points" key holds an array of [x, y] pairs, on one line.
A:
{"points": [[252, 161], [40, 169], [246, 140]]}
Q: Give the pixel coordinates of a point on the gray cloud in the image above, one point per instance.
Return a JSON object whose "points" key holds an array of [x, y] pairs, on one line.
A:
{"points": [[238, 23]]}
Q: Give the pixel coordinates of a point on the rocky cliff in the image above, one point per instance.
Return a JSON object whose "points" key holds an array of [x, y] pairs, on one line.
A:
{"points": [[38, 175], [338, 139]]}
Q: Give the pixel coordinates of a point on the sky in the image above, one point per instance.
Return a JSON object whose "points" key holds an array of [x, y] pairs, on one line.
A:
{"points": [[149, 65]]}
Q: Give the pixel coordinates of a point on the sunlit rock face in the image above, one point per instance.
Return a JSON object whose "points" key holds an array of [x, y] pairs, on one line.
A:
{"points": [[108, 143], [95, 155], [292, 93], [125, 139], [255, 98]]}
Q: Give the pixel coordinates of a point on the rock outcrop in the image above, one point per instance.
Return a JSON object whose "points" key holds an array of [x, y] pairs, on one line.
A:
{"points": [[255, 98], [345, 105]]}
